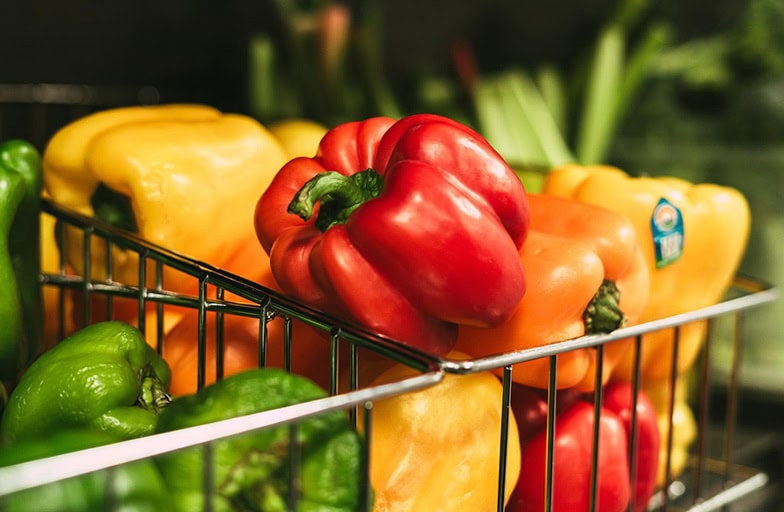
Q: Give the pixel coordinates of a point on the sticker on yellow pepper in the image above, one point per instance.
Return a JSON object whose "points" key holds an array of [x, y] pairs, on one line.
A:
{"points": [[713, 223]]}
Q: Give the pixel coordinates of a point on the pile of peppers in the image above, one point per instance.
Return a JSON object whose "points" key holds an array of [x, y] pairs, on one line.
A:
{"points": [[408, 228], [413, 229], [105, 383]]}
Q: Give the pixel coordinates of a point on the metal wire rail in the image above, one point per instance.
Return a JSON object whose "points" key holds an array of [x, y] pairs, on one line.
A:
{"points": [[249, 300], [708, 484]]}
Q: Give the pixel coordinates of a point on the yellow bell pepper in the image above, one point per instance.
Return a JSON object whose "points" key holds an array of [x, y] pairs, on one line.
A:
{"points": [[438, 448], [693, 237], [299, 137], [684, 425], [186, 177]]}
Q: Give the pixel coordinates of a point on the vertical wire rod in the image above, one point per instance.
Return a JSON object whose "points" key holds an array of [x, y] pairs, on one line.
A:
{"points": [[634, 431], [504, 439], [202, 334], [597, 426], [703, 415], [219, 330], [549, 453], [676, 336], [86, 264], [731, 417]]}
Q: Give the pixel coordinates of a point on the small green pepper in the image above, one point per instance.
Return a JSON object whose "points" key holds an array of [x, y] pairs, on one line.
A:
{"points": [[132, 487], [251, 472], [104, 376], [21, 302]]}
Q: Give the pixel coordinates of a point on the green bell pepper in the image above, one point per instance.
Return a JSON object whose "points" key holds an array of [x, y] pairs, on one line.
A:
{"points": [[252, 471], [21, 302], [104, 376], [133, 487]]}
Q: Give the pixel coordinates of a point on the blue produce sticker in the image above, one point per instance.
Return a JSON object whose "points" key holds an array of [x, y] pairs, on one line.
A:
{"points": [[667, 230]]}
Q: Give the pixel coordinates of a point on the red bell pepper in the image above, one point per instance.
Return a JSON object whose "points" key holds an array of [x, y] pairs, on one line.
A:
{"points": [[618, 398], [572, 455], [406, 228]]}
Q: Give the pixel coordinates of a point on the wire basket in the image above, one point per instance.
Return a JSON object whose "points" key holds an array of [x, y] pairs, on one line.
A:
{"points": [[707, 484], [711, 480], [220, 295], [34, 111]]}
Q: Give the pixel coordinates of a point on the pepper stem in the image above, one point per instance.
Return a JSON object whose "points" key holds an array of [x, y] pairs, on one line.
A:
{"points": [[113, 208], [339, 195], [153, 396], [603, 314]]}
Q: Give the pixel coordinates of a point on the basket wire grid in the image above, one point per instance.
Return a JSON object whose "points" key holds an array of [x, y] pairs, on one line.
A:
{"points": [[707, 484], [249, 300]]}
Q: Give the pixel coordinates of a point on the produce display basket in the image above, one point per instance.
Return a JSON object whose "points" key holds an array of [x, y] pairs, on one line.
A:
{"points": [[214, 288], [710, 482]]}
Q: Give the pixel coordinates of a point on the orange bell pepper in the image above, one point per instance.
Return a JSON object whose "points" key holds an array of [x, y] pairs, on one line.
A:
{"points": [[438, 448], [310, 350], [711, 224], [587, 275]]}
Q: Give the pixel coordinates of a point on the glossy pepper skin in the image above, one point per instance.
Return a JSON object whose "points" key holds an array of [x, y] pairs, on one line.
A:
{"points": [[104, 376], [619, 398], [716, 223], [405, 227], [250, 471], [181, 176], [573, 446], [438, 448], [21, 303], [135, 487], [586, 275], [297, 137]]}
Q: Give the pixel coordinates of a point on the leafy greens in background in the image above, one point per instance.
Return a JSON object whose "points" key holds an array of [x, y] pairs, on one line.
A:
{"points": [[637, 80]]}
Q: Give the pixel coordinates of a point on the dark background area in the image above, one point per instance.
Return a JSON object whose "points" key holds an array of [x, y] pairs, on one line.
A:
{"points": [[198, 50]]}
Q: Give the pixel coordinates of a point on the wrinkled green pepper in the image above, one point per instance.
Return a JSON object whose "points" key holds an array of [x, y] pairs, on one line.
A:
{"points": [[251, 471], [21, 301], [134, 487], [104, 376]]}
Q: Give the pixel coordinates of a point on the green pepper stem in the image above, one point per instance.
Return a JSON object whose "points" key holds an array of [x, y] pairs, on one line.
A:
{"points": [[339, 195], [603, 314], [113, 208], [153, 396]]}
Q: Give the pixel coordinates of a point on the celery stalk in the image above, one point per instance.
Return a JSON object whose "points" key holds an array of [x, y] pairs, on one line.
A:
{"points": [[490, 118], [597, 124], [550, 140], [640, 62], [519, 124], [553, 91]]}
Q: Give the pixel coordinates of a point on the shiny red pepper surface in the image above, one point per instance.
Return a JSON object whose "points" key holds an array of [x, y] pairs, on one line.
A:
{"points": [[616, 486], [407, 228]]}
